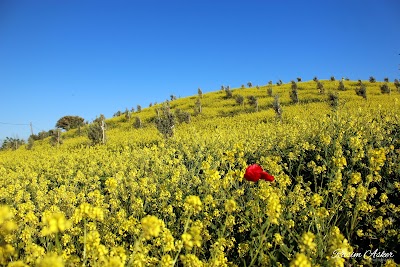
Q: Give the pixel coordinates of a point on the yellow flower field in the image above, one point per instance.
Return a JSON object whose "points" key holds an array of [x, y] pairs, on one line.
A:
{"points": [[142, 200]]}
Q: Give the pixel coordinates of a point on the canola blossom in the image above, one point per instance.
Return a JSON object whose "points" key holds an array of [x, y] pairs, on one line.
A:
{"points": [[332, 187]]}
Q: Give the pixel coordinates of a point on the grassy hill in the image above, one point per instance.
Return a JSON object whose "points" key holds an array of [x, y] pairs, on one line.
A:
{"points": [[145, 200]]}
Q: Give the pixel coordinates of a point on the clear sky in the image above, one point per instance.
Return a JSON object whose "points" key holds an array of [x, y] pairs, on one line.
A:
{"points": [[86, 57]]}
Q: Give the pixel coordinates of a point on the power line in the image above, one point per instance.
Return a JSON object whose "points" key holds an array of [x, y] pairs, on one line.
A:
{"points": [[19, 124]]}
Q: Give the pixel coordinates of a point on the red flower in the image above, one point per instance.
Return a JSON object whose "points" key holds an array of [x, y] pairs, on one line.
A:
{"points": [[255, 172]]}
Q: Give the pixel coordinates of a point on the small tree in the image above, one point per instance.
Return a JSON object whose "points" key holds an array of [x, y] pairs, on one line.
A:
{"points": [[315, 79], [182, 116], [333, 99], [253, 101], [249, 84], [298, 79], [95, 133], [138, 108], [386, 79], [127, 115], [294, 96], [43, 134], [99, 119], [200, 93], [55, 139], [372, 79], [242, 86], [172, 97], [333, 78], [31, 141], [385, 89], [97, 130], [320, 87], [362, 91], [228, 93], [341, 86], [138, 122], [198, 105], [397, 84], [166, 121], [239, 100], [269, 91], [276, 105]]}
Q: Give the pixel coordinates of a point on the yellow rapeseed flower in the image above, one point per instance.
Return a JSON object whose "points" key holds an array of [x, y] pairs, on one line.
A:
{"points": [[151, 226]]}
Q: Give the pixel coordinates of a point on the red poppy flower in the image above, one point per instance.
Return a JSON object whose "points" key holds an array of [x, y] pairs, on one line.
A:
{"points": [[255, 172]]}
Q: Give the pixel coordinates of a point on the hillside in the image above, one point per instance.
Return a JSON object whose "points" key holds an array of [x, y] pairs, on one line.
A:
{"points": [[145, 200], [216, 106]]}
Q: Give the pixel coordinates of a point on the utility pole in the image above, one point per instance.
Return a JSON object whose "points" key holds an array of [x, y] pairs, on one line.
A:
{"points": [[103, 129]]}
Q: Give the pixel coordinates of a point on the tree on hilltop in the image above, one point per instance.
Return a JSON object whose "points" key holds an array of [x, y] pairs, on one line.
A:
{"points": [[70, 122]]}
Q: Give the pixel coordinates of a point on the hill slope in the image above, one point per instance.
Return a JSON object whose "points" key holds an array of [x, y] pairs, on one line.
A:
{"points": [[142, 200]]}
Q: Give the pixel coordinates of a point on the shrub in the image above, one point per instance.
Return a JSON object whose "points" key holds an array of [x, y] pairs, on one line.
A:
{"points": [[127, 115], [198, 107], [362, 91], [269, 91], [333, 78], [99, 119], [200, 93], [228, 93], [372, 79], [315, 79], [385, 89], [138, 122], [166, 121], [249, 84], [341, 86], [253, 101], [182, 116], [56, 137], [138, 108], [276, 105], [333, 99], [320, 87], [298, 79], [386, 79], [397, 84], [96, 133], [12, 143], [294, 96], [239, 99]]}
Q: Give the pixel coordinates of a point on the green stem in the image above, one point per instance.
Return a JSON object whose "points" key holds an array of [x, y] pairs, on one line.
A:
{"points": [[261, 244], [58, 245], [180, 249], [84, 241]]}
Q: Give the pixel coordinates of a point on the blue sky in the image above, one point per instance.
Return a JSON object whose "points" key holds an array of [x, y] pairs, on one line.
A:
{"points": [[86, 57]]}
